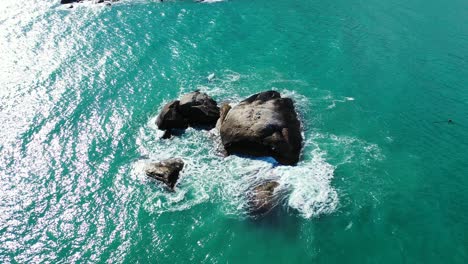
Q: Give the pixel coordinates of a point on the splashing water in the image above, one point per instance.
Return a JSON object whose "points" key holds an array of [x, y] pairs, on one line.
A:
{"points": [[208, 176]]}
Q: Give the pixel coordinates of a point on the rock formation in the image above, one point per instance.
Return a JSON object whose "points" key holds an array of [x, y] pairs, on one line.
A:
{"points": [[171, 117], [199, 109], [194, 109], [264, 124], [166, 171], [263, 198]]}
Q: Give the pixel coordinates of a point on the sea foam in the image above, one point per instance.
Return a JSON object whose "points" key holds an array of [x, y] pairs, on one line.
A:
{"points": [[210, 177]]}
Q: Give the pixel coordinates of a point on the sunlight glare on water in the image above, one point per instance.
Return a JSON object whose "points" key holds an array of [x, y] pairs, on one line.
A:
{"points": [[382, 173]]}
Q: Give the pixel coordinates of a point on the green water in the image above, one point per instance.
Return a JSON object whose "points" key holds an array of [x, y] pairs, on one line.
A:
{"points": [[382, 177]]}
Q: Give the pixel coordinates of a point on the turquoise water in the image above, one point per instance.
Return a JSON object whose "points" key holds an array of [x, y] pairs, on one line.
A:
{"points": [[382, 177]]}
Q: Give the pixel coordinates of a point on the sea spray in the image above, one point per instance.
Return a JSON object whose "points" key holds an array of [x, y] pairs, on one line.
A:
{"points": [[208, 176]]}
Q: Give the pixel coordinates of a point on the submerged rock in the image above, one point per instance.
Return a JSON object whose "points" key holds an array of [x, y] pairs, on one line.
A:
{"points": [[263, 198], [265, 124], [166, 171]]}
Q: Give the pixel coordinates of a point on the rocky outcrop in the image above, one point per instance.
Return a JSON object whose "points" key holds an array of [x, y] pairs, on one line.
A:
{"points": [[264, 124], [195, 109], [166, 171], [171, 117], [263, 198], [199, 109]]}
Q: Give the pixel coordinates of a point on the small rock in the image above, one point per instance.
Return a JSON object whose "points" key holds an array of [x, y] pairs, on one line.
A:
{"points": [[166, 171], [263, 198]]}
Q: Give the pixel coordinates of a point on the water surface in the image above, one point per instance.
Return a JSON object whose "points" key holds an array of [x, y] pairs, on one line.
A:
{"points": [[382, 177]]}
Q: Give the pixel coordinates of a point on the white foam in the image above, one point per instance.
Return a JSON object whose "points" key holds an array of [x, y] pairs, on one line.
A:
{"points": [[207, 176], [340, 100], [211, 76], [310, 187], [348, 149]]}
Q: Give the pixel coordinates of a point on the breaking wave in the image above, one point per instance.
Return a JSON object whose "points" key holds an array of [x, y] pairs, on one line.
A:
{"points": [[210, 177]]}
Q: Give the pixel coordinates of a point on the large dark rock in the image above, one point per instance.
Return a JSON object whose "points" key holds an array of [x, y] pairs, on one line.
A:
{"points": [[171, 117], [263, 198], [68, 1], [263, 125], [199, 109], [195, 109], [166, 171]]}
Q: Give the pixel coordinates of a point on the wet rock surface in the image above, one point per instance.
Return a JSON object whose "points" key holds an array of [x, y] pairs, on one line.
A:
{"points": [[194, 109], [170, 117], [263, 198], [199, 109], [225, 108], [265, 124], [166, 171]]}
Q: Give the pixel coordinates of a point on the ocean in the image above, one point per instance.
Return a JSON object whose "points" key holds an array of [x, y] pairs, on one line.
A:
{"points": [[383, 175]]}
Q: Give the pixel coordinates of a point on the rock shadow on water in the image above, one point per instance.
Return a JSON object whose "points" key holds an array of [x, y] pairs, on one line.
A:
{"points": [[267, 210], [278, 220]]}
